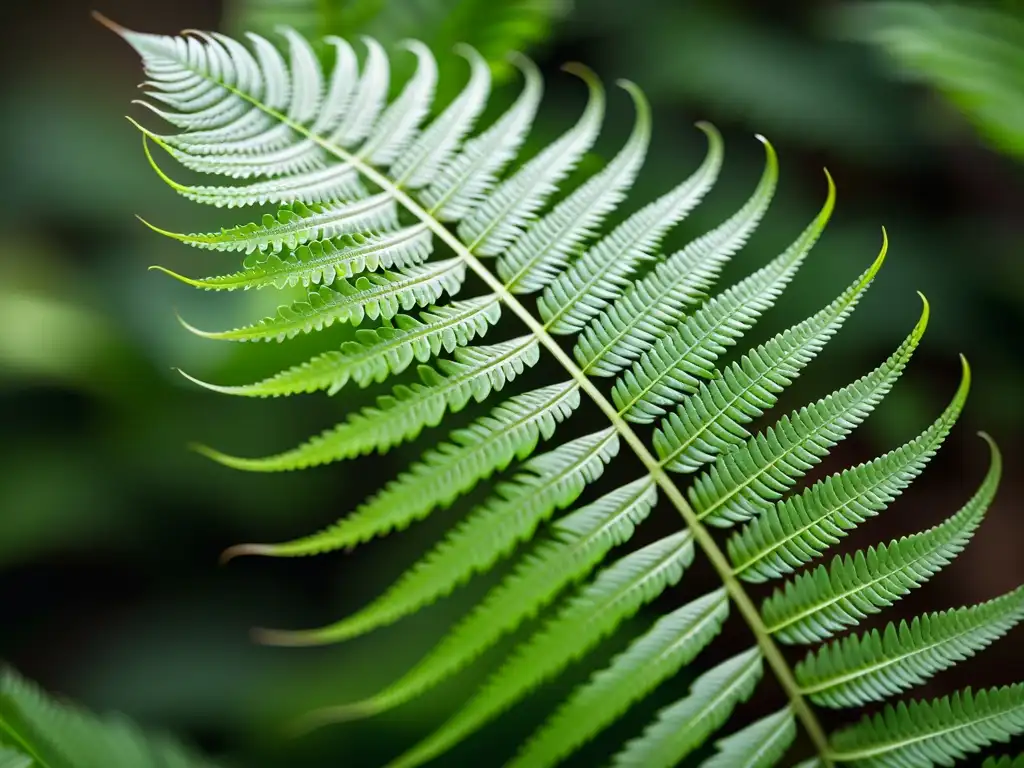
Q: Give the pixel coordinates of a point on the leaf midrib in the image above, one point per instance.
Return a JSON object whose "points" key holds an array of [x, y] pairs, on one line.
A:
{"points": [[721, 564]]}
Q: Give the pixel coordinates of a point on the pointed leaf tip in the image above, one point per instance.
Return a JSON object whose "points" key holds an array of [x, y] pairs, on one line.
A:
{"points": [[110, 24], [192, 329], [285, 638], [244, 550]]}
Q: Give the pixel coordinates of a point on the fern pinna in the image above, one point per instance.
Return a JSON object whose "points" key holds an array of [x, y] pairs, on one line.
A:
{"points": [[382, 216]]}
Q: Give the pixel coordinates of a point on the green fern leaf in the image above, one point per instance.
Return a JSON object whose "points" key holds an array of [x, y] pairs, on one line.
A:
{"points": [[499, 220], [937, 732], [47, 734], [710, 422], [324, 261], [363, 185], [859, 669], [615, 594], [760, 745], [373, 296], [462, 183], [579, 542], [511, 430], [678, 360], [815, 605], [798, 529], [597, 278], [472, 375], [377, 354], [669, 645], [683, 726], [657, 302], [547, 482], [298, 224], [536, 258], [742, 484]]}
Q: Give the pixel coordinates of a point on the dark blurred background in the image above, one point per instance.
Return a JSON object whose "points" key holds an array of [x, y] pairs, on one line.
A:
{"points": [[110, 528]]}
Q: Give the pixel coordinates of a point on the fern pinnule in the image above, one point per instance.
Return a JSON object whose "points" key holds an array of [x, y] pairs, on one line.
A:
{"points": [[656, 302], [937, 732], [472, 374], [802, 527], [498, 220], [296, 224], [461, 184], [743, 483], [674, 366], [711, 421], [602, 273], [683, 726], [371, 296], [436, 144], [859, 669], [616, 593], [543, 251], [578, 543], [322, 262], [376, 354], [513, 429], [815, 605], [760, 745], [673, 641], [544, 483]]}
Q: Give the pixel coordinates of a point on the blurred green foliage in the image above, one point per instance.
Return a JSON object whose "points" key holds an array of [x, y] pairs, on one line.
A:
{"points": [[110, 529], [972, 56]]}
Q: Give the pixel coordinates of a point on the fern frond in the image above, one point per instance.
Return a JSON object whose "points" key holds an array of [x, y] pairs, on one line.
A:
{"points": [[710, 422], [545, 483], [654, 657], [579, 542], [745, 482], [511, 430], [57, 735], [537, 257], [597, 277], [324, 261], [871, 667], [657, 302], [615, 594], [472, 375], [677, 361], [298, 224], [798, 529], [373, 296], [500, 218], [937, 732], [684, 726], [379, 353], [363, 186], [760, 745], [815, 605]]}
